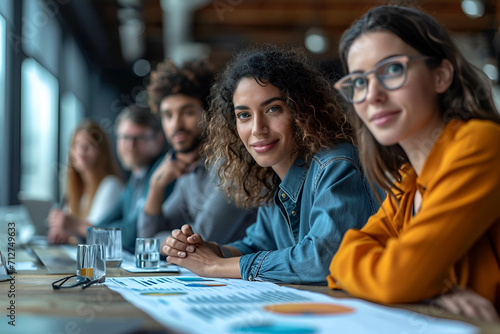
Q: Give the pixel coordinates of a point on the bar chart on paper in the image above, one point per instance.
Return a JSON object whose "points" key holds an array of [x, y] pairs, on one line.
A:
{"points": [[206, 305]]}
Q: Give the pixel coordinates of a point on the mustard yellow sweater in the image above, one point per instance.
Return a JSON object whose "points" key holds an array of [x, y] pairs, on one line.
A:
{"points": [[453, 240]]}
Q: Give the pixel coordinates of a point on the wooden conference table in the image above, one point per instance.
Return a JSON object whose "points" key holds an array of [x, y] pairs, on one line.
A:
{"points": [[97, 309]]}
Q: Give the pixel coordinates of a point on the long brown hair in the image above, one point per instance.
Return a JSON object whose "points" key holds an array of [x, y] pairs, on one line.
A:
{"points": [[75, 186], [469, 95], [319, 120]]}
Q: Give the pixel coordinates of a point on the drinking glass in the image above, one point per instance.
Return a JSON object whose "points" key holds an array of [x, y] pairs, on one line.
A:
{"points": [[147, 253], [111, 238], [90, 262]]}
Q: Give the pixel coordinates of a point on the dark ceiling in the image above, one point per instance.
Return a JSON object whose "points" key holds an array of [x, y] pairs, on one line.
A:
{"points": [[225, 25]]}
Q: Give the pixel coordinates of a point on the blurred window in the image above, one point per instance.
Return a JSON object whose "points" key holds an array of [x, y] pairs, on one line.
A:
{"points": [[4, 140], [39, 128], [72, 111], [3, 37]]}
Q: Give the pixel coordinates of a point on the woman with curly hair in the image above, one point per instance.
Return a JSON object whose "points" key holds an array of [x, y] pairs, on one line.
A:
{"points": [[279, 139], [179, 95]]}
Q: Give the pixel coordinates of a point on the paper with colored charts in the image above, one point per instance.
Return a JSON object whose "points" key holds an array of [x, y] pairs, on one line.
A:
{"points": [[201, 305]]}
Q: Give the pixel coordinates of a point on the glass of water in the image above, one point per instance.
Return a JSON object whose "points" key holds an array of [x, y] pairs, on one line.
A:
{"points": [[111, 238], [147, 253]]}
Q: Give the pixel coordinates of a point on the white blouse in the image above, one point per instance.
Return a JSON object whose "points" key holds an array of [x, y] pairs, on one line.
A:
{"points": [[106, 197]]}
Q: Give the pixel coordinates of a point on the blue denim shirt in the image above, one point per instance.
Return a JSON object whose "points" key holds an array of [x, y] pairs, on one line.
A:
{"points": [[294, 239]]}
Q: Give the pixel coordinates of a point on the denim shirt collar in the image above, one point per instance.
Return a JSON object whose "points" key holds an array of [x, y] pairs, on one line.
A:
{"points": [[294, 179]]}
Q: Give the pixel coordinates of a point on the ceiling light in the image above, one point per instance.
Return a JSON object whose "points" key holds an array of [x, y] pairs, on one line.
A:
{"points": [[491, 71], [316, 40], [141, 67], [473, 8]]}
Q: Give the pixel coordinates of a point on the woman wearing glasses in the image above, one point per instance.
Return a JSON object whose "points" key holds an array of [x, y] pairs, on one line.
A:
{"points": [[278, 138], [428, 132]]}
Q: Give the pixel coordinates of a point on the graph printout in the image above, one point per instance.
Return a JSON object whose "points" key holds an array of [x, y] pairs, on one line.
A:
{"points": [[203, 305]]}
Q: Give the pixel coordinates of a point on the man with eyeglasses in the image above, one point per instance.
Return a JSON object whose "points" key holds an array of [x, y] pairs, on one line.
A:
{"points": [[140, 147], [179, 95]]}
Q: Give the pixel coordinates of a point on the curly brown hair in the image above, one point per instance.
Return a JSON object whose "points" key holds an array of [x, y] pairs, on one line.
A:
{"points": [[192, 79], [319, 120]]}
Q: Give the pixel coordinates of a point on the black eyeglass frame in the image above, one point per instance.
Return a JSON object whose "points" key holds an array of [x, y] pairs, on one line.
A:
{"points": [[84, 281], [405, 59]]}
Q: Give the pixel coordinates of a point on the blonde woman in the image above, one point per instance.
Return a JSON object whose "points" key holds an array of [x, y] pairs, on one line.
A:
{"points": [[93, 184]]}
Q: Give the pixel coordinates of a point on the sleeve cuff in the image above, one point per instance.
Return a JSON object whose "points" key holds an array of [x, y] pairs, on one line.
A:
{"points": [[251, 264]]}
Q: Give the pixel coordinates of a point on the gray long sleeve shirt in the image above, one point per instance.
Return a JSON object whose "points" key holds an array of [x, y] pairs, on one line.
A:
{"points": [[197, 201]]}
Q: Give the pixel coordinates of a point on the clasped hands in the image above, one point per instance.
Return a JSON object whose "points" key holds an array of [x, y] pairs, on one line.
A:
{"points": [[188, 250]]}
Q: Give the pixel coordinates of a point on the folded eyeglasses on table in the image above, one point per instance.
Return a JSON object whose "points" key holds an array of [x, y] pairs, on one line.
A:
{"points": [[74, 281]]}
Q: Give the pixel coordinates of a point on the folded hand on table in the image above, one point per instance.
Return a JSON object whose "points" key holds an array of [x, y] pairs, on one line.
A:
{"points": [[187, 249], [466, 302]]}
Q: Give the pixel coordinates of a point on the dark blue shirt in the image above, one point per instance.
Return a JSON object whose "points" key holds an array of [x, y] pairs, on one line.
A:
{"points": [[125, 214]]}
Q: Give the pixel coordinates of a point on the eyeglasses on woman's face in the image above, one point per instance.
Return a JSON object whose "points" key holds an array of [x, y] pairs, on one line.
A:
{"points": [[391, 74]]}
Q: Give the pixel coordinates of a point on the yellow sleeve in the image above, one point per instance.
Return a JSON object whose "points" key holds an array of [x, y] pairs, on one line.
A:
{"points": [[357, 245], [459, 205]]}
